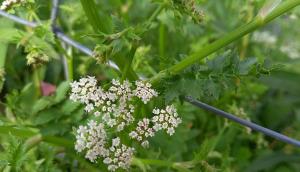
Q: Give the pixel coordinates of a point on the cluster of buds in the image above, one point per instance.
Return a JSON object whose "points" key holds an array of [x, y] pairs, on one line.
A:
{"points": [[189, 7], [114, 108], [101, 53], [7, 4], [36, 58]]}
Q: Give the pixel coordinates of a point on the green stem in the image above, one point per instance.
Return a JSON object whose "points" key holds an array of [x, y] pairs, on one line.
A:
{"points": [[69, 60], [155, 162], [96, 17], [245, 40], [155, 13], [256, 23], [128, 65], [3, 52], [36, 81], [33, 141], [162, 163], [161, 46], [24, 133], [70, 68]]}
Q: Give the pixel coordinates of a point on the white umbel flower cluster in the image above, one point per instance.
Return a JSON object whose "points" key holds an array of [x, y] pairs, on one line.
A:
{"points": [[144, 91], [142, 132], [114, 104], [114, 108], [120, 156], [93, 139], [164, 119], [9, 3]]}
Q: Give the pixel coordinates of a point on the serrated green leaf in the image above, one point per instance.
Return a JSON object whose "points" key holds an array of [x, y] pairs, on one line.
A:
{"points": [[62, 91], [44, 32], [42, 104], [77, 114], [46, 116], [27, 97], [99, 20], [52, 128], [206, 147], [246, 66], [69, 106]]}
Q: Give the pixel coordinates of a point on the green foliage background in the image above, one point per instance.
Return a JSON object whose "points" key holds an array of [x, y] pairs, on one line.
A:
{"points": [[251, 78]]}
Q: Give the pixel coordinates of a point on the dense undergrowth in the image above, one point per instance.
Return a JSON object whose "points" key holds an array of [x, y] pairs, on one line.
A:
{"points": [[146, 56]]}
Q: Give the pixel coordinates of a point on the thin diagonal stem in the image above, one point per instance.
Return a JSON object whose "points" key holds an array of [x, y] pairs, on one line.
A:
{"points": [[243, 122]]}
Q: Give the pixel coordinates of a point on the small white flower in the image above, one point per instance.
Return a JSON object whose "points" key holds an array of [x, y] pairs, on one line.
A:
{"points": [[144, 91], [97, 113], [170, 131], [155, 111], [142, 132], [167, 119], [145, 144], [107, 160], [119, 156], [116, 142], [91, 138], [89, 107]]}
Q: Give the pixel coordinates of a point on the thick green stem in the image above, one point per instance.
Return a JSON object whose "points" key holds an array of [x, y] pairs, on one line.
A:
{"points": [[36, 81], [67, 61], [161, 46], [256, 23], [245, 40], [155, 13], [96, 17], [70, 68], [155, 162], [128, 64], [33, 141], [162, 163]]}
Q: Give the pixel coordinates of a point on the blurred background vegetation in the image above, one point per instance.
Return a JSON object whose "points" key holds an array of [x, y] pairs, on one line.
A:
{"points": [[256, 78]]}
